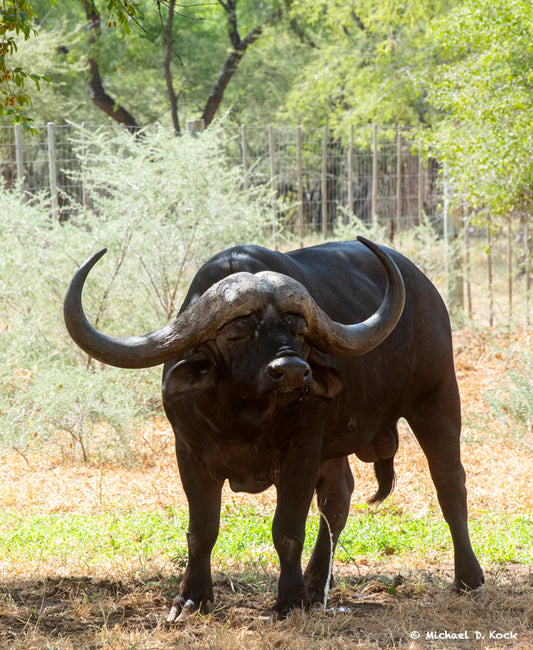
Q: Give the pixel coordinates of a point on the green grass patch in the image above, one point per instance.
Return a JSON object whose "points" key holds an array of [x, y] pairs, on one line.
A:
{"points": [[245, 536]]}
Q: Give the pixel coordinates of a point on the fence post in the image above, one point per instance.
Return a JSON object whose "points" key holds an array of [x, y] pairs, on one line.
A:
{"points": [[528, 270], [454, 275], [300, 185], [195, 126], [374, 215], [350, 172], [245, 164], [468, 268], [420, 182], [325, 182], [18, 155], [399, 182], [52, 170], [490, 271], [510, 268], [273, 187]]}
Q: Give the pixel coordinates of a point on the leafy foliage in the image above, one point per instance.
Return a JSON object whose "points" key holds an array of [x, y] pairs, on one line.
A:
{"points": [[16, 19], [161, 205], [485, 88], [368, 59]]}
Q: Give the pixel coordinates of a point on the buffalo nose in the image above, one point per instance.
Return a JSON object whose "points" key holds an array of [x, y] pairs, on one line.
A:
{"points": [[291, 372]]}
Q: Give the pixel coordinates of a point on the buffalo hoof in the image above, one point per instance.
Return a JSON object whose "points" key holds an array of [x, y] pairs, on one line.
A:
{"points": [[281, 610], [470, 584], [317, 590], [181, 610]]}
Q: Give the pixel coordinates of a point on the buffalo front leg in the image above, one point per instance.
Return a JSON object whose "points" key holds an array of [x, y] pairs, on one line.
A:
{"points": [[204, 496], [333, 491], [295, 490], [439, 437]]}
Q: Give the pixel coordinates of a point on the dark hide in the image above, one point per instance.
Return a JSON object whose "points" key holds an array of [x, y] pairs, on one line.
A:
{"points": [[258, 406]]}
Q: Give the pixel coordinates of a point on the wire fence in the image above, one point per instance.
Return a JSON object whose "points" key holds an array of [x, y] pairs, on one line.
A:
{"points": [[318, 181]]}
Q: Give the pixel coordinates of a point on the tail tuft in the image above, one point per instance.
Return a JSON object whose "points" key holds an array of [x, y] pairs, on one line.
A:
{"points": [[384, 471]]}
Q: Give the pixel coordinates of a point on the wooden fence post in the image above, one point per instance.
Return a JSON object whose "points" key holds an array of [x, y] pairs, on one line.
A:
{"points": [[489, 271], [325, 182], [527, 235], [454, 272], [245, 163], [398, 183], [273, 187], [195, 126], [300, 185], [52, 170], [374, 216], [350, 171], [510, 268], [420, 183], [19, 155]]}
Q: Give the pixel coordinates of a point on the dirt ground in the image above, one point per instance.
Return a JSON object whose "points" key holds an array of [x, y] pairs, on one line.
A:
{"points": [[393, 603]]}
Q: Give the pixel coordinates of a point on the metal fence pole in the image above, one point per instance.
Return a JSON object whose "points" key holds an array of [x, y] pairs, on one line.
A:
{"points": [[325, 182], [19, 155], [52, 170]]}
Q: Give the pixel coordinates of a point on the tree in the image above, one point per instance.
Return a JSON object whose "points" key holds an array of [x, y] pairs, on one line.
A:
{"points": [[100, 97], [201, 53], [485, 89], [367, 63], [17, 18]]}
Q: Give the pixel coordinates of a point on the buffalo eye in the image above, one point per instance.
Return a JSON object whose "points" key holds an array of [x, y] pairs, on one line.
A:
{"points": [[237, 330], [297, 325]]}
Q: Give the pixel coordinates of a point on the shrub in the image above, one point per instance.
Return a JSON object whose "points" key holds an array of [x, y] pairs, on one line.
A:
{"points": [[161, 205]]}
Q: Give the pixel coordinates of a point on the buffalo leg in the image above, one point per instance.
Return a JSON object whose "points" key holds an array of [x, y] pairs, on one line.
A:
{"points": [[295, 490], [204, 497], [437, 426], [333, 490]]}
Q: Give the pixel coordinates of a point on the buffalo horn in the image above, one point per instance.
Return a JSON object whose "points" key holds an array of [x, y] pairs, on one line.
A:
{"points": [[237, 295]]}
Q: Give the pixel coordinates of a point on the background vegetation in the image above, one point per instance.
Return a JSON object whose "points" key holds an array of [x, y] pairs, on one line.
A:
{"points": [[160, 209]]}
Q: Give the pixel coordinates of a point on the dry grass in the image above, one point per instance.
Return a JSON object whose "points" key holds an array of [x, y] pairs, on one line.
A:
{"points": [[374, 605]]}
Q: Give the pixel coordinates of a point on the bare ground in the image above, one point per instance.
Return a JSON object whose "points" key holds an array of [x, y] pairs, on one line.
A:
{"points": [[393, 603]]}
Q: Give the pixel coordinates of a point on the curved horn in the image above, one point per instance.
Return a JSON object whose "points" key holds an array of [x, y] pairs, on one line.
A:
{"points": [[349, 340], [238, 295]]}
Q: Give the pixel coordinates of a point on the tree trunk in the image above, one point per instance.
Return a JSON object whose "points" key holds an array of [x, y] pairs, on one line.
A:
{"points": [[232, 62], [172, 95], [98, 95]]}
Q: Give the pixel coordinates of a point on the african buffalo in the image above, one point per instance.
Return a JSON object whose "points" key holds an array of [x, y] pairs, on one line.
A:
{"points": [[278, 367]]}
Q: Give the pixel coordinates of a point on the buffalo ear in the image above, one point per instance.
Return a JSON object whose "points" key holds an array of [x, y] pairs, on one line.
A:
{"points": [[326, 380], [196, 373]]}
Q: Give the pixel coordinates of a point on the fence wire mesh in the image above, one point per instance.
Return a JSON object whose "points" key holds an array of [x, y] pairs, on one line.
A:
{"points": [[318, 181]]}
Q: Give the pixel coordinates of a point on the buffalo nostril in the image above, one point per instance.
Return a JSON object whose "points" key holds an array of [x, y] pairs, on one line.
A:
{"points": [[275, 370], [290, 371]]}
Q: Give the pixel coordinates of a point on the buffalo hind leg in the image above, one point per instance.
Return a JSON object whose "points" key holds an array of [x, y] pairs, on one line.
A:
{"points": [[334, 490], [437, 426], [204, 497]]}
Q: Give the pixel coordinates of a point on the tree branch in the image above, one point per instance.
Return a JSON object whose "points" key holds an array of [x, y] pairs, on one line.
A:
{"points": [[98, 95], [232, 62], [172, 95]]}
